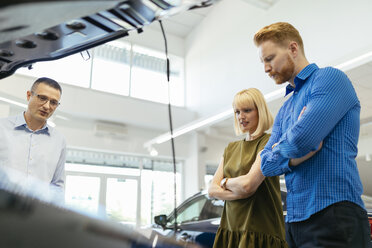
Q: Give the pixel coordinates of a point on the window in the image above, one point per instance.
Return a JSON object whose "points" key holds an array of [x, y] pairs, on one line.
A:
{"points": [[149, 79], [121, 200], [159, 185], [126, 188], [111, 68], [191, 213], [197, 208], [209, 173], [85, 198], [119, 67], [73, 70]]}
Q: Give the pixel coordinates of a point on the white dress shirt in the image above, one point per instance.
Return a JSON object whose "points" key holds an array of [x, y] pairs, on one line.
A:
{"points": [[37, 154]]}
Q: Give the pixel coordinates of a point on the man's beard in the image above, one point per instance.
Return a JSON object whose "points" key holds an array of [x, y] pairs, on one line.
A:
{"points": [[285, 74]]}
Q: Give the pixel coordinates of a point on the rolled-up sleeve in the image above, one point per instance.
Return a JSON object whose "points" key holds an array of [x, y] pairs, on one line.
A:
{"points": [[272, 162]]}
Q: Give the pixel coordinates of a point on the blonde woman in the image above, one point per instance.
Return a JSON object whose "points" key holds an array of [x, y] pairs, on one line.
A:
{"points": [[253, 214]]}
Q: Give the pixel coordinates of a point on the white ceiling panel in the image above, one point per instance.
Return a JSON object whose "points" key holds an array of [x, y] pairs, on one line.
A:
{"points": [[171, 27], [183, 23], [189, 18]]}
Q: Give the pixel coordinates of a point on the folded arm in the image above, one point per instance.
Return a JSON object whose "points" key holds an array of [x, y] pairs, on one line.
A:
{"points": [[332, 95], [273, 164], [216, 191], [297, 161], [246, 185]]}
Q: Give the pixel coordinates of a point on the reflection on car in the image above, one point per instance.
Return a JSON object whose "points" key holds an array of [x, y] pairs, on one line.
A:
{"points": [[198, 219]]}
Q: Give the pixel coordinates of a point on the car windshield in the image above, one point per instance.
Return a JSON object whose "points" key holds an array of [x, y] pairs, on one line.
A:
{"points": [[198, 208]]}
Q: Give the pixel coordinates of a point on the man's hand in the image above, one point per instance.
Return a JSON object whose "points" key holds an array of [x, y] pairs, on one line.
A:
{"points": [[302, 112]]}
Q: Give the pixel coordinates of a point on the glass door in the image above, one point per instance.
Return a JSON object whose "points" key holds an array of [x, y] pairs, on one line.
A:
{"points": [[82, 192], [121, 199]]}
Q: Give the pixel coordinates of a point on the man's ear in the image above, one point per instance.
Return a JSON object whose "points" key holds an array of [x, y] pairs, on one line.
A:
{"points": [[28, 95], [293, 48]]}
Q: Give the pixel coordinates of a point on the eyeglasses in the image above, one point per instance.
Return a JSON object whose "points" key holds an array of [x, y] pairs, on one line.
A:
{"points": [[44, 99]]}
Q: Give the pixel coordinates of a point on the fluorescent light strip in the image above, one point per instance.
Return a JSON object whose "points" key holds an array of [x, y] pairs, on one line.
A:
{"points": [[365, 58], [207, 121], [62, 117], [25, 106], [350, 64], [13, 102]]}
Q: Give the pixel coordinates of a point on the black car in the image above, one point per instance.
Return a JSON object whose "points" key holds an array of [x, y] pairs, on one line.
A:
{"points": [[370, 220], [198, 219], [33, 214]]}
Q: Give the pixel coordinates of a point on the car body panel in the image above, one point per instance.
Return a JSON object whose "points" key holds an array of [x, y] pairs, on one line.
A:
{"points": [[202, 230]]}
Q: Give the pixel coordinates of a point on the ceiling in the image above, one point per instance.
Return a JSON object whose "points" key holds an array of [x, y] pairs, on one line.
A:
{"points": [[182, 23], [361, 78]]}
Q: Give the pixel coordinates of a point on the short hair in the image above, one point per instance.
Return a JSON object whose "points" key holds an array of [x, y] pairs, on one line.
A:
{"points": [[48, 81], [253, 97], [280, 33]]}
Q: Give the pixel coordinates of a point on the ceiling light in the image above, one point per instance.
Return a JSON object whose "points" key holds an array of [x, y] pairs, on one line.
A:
{"points": [[203, 122], [22, 105], [367, 57], [368, 157], [13, 102], [153, 152], [355, 62]]}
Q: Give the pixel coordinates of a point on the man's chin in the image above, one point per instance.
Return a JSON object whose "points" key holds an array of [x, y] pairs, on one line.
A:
{"points": [[279, 82], [42, 118]]}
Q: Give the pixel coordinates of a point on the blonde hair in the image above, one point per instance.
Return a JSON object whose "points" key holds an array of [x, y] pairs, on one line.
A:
{"points": [[253, 97], [280, 33]]}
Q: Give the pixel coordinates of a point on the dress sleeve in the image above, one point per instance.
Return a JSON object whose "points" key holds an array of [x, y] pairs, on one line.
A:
{"points": [[263, 142]]}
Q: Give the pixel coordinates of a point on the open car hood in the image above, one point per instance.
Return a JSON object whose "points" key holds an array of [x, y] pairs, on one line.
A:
{"points": [[44, 30]]}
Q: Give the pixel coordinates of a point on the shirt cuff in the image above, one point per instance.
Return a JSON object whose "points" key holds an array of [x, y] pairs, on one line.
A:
{"points": [[274, 164]]}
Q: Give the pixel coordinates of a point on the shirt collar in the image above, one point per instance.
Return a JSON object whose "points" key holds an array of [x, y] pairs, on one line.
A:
{"points": [[301, 78], [20, 122]]}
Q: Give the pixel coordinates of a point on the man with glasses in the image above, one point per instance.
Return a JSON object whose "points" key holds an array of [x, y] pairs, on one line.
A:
{"points": [[28, 144]]}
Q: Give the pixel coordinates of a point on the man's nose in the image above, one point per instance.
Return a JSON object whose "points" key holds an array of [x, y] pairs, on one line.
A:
{"points": [[267, 67], [47, 104]]}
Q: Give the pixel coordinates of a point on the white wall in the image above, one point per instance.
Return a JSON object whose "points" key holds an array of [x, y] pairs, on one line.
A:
{"points": [[97, 105], [4, 110], [221, 58], [152, 39], [83, 107]]}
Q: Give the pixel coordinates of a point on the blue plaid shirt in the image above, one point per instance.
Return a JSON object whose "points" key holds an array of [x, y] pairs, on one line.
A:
{"points": [[332, 115]]}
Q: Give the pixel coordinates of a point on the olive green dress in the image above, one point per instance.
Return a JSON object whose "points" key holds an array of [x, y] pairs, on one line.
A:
{"points": [[256, 221]]}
